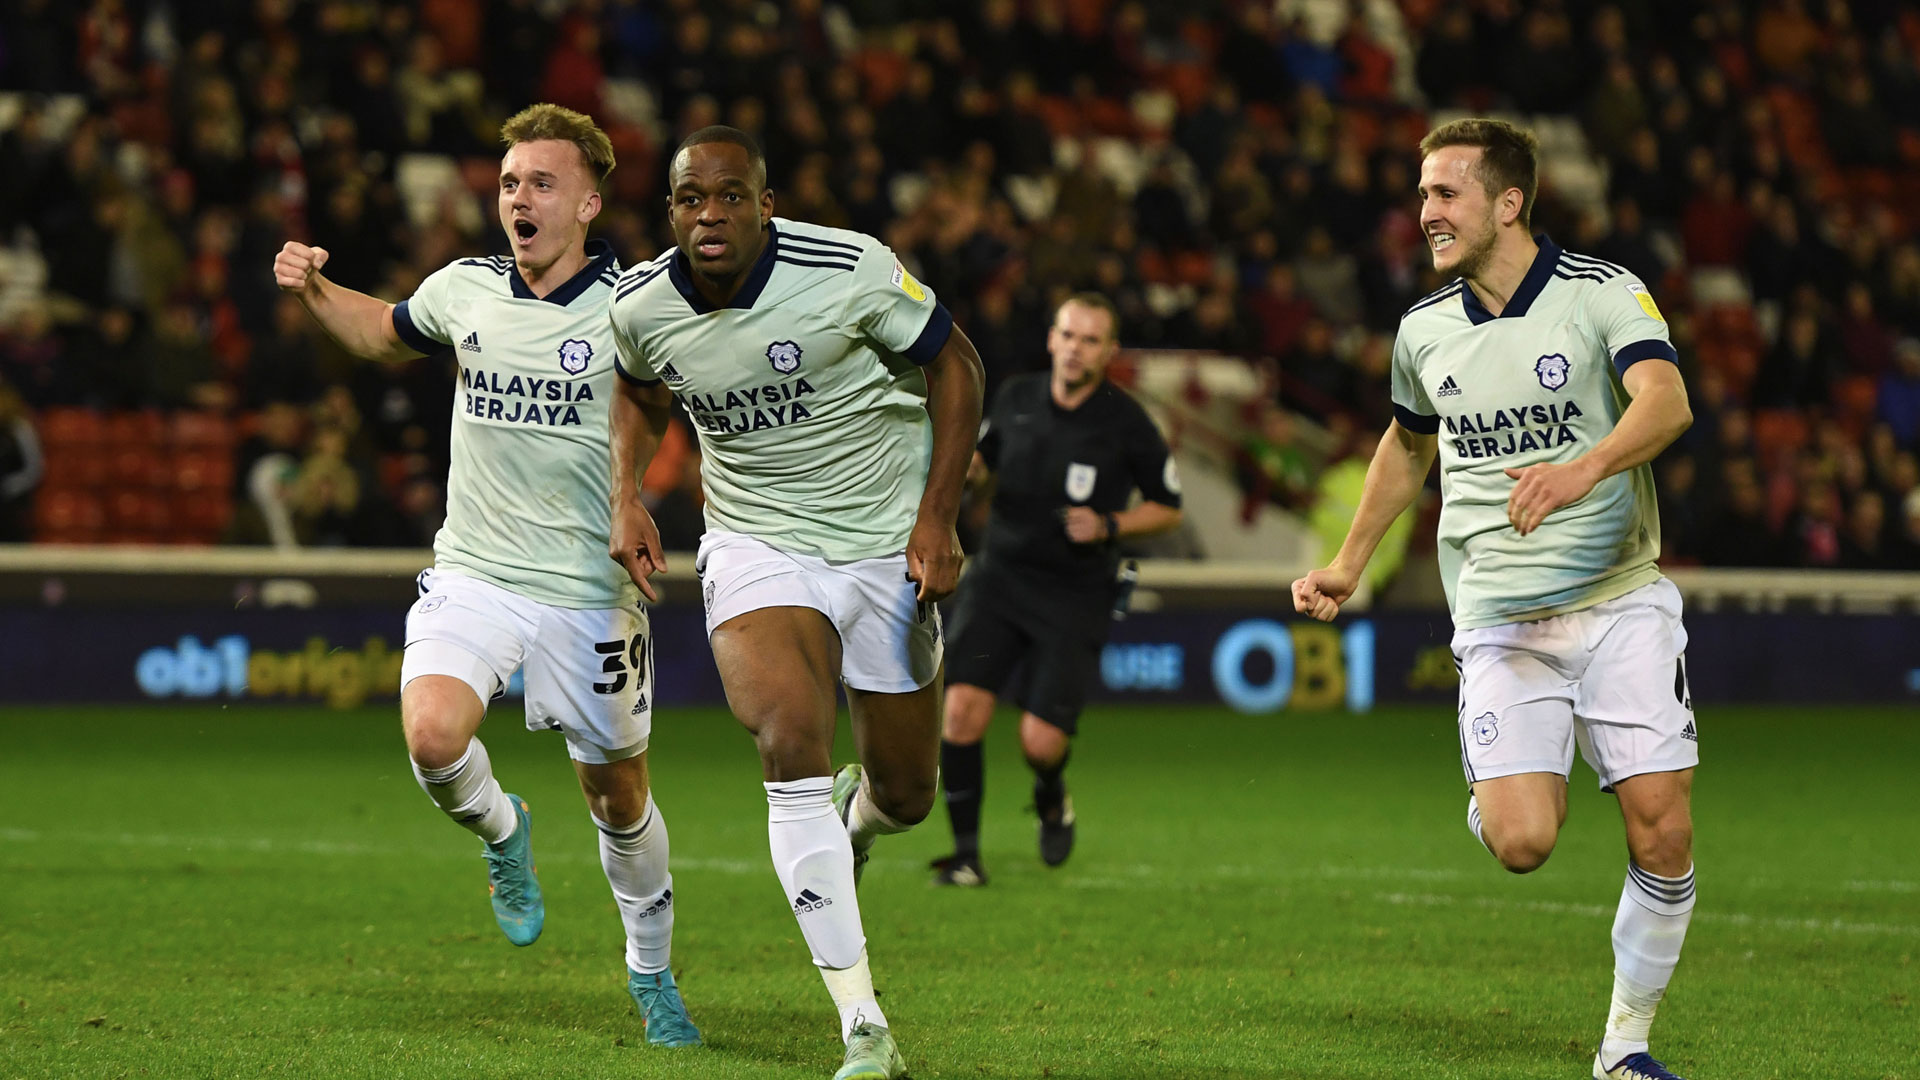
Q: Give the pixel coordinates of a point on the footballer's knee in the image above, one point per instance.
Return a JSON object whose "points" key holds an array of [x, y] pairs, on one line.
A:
{"points": [[438, 716], [793, 746], [1044, 745], [1664, 847], [1523, 849], [432, 741], [968, 712], [906, 800]]}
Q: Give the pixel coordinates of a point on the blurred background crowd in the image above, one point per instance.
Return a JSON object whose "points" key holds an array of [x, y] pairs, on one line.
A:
{"points": [[1238, 175]]}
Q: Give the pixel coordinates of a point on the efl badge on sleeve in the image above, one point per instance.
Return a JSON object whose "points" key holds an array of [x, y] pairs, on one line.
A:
{"points": [[1080, 481], [575, 355], [1647, 305], [903, 281], [784, 356], [1552, 370]]}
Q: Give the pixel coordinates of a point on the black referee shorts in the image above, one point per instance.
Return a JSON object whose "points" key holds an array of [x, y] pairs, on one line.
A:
{"points": [[1034, 646]]}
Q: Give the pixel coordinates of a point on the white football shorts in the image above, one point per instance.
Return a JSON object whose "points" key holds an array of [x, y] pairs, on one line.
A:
{"points": [[889, 642], [1612, 678], [589, 672]]}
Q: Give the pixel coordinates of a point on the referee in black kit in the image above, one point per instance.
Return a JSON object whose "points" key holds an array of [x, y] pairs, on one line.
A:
{"points": [[1067, 451]]}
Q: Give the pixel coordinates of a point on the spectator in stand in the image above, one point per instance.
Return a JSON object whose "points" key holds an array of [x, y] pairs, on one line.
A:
{"points": [[21, 466]]}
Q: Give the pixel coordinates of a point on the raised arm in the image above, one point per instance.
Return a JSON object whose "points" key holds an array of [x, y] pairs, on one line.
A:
{"points": [[954, 381], [1394, 479], [362, 324], [1657, 415], [639, 422]]}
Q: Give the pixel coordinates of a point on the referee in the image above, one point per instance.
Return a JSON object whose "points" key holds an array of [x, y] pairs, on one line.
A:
{"points": [[1067, 450]]}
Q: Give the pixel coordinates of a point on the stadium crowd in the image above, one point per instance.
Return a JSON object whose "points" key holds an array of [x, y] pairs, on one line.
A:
{"points": [[1238, 176]]}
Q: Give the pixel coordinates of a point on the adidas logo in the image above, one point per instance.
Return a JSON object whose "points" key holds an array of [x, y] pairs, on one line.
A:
{"points": [[672, 374], [639, 706], [1689, 734], [1449, 388], [471, 342], [808, 900], [660, 905]]}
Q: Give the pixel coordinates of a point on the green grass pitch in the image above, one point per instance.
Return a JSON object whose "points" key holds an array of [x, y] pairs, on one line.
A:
{"points": [[208, 892]]}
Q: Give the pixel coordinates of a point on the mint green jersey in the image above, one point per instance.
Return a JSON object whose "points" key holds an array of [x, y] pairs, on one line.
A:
{"points": [[806, 389], [527, 493], [1540, 383]]}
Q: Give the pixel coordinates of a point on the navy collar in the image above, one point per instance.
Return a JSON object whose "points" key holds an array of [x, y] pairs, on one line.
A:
{"points": [[599, 260], [682, 274], [1523, 297]]}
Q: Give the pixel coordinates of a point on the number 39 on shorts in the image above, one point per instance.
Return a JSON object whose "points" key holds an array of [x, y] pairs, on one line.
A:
{"points": [[622, 658]]}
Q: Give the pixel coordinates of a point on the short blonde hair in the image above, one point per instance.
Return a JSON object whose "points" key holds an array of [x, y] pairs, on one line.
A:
{"points": [[537, 123], [1509, 156]]}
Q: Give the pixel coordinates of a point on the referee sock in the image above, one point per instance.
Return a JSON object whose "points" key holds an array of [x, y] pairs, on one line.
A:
{"points": [[470, 795], [1648, 930], [1050, 786], [635, 859], [963, 774], [814, 859]]}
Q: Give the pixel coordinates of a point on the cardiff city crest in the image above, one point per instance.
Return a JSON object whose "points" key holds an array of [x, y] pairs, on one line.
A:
{"points": [[575, 355], [1552, 370], [784, 356]]}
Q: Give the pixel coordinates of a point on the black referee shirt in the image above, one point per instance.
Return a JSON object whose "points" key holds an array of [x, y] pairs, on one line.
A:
{"points": [[1047, 458]]}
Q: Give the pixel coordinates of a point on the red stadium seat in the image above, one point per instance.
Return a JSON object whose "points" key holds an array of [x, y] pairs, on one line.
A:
{"points": [[201, 470], [138, 467], [72, 427], [1779, 434], [143, 428], [205, 430], [67, 515]]}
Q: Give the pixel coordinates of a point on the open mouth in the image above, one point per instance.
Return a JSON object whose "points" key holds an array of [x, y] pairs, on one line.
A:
{"points": [[711, 247], [524, 230], [1441, 241]]}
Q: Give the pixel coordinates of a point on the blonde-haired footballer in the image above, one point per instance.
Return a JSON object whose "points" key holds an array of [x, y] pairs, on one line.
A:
{"points": [[520, 577], [1545, 382]]}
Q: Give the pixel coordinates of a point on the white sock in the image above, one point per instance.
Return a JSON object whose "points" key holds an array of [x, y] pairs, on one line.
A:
{"points": [[1473, 822], [470, 795], [1648, 931], [635, 859], [865, 821], [852, 990], [814, 859]]}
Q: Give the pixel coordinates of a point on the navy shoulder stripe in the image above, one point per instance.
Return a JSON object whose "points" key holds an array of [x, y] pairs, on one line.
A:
{"points": [[848, 267], [1444, 294], [1561, 272], [1588, 262], [790, 234], [487, 264], [787, 248], [631, 285], [1436, 293]]}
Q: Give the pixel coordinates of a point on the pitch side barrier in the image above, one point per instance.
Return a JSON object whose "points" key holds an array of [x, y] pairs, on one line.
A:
{"points": [[120, 624]]}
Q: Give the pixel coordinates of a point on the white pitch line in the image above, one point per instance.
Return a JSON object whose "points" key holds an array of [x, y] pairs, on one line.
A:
{"points": [[1129, 875], [1597, 911]]}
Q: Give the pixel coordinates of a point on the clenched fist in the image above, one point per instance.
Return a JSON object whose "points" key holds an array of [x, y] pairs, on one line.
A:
{"points": [[297, 267]]}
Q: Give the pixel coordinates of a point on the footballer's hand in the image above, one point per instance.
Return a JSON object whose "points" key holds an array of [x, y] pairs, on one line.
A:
{"points": [[1320, 594], [636, 546], [1085, 525], [1539, 490], [933, 560], [297, 268]]}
